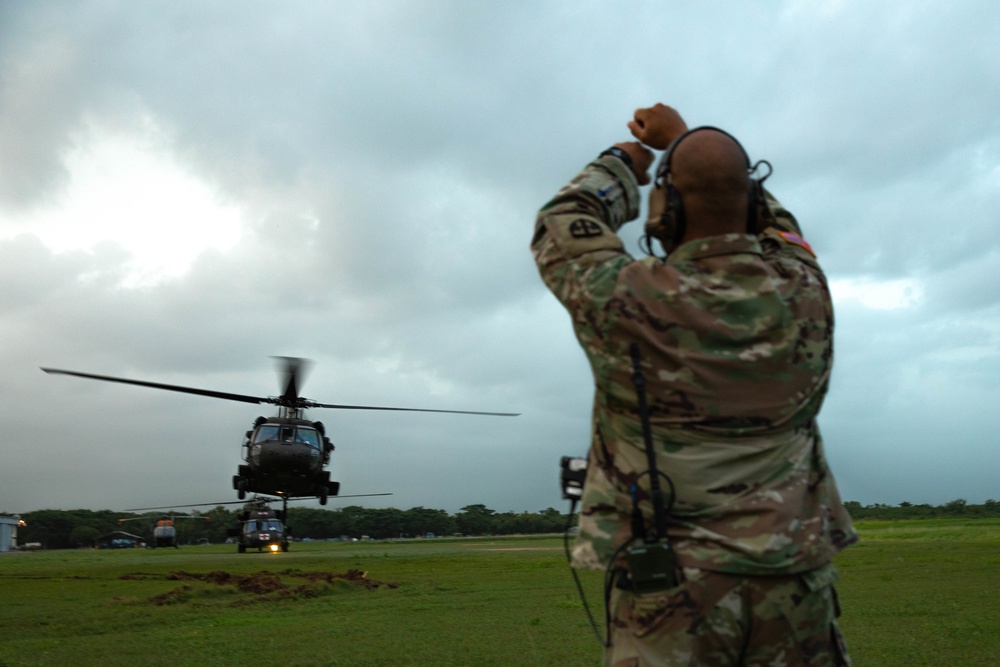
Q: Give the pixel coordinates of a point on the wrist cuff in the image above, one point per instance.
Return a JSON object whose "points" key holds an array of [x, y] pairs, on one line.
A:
{"points": [[621, 155]]}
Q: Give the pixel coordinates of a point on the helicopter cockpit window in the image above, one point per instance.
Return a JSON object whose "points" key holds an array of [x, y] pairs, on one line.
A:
{"points": [[273, 526], [308, 436], [272, 432], [266, 432]]}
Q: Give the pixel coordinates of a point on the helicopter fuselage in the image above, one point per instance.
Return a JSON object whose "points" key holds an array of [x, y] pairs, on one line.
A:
{"points": [[285, 457]]}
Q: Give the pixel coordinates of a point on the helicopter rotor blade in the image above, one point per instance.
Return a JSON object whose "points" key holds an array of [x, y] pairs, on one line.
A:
{"points": [[168, 387], [244, 502], [374, 407], [290, 398]]}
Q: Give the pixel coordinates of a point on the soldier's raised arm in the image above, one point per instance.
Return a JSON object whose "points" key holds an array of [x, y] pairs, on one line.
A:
{"points": [[576, 230]]}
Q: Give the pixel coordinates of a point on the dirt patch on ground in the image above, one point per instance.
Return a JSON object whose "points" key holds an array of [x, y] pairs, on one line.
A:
{"points": [[264, 586]]}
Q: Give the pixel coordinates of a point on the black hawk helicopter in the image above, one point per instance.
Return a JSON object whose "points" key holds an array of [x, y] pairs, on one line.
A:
{"points": [[284, 455]]}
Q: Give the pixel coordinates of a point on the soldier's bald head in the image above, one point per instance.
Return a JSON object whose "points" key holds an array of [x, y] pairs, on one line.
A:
{"points": [[709, 170]]}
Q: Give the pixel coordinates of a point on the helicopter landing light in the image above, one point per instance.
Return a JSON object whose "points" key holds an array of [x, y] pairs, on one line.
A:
{"points": [[274, 548]]}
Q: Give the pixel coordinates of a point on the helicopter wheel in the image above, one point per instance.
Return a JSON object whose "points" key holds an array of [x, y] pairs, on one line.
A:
{"points": [[241, 493], [241, 549], [323, 494]]}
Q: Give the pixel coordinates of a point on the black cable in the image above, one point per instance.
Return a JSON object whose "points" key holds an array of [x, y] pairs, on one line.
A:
{"points": [[659, 515], [609, 582], [670, 484], [576, 577]]}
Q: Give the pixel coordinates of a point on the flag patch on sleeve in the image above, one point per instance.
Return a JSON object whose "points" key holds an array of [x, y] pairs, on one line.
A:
{"points": [[797, 240]]}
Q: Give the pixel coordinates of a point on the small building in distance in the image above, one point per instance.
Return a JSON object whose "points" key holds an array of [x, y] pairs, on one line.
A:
{"points": [[8, 531]]}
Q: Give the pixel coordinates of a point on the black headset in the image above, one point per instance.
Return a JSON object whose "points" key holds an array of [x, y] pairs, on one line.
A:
{"points": [[669, 228]]}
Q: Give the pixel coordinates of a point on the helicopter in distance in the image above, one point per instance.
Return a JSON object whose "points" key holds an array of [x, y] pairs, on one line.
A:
{"points": [[257, 525], [284, 455], [260, 527], [163, 533]]}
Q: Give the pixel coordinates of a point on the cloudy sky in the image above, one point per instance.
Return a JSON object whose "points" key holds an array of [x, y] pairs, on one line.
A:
{"points": [[188, 189]]}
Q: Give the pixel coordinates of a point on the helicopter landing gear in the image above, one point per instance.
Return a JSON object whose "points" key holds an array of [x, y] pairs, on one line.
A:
{"points": [[326, 488], [240, 484]]}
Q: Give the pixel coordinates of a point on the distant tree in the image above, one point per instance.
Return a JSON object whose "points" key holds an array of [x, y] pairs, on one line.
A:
{"points": [[220, 519], [955, 507], [313, 523], [475, 520], [352, 520], [553, 521], [420, 521], [84, 536], [383, 523]]}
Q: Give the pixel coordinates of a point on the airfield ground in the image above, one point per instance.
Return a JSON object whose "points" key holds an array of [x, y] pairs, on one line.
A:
{"points": [[914, 593]]}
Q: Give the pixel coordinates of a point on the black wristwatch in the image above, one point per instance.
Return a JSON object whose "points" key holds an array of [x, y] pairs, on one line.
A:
{"points": [[621, 155]]}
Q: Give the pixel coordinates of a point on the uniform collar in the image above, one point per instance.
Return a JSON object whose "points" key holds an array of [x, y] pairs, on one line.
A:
{"points": [[711, 246]]}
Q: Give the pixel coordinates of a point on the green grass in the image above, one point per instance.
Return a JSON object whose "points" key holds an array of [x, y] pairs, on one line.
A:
{"points": [[914, 593], [440, 602], [923, 592]]}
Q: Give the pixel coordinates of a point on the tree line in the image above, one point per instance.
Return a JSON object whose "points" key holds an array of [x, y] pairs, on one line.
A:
{"points": [[68, 529], [955, 509]]}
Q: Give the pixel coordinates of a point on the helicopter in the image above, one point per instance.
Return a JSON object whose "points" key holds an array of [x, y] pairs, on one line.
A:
{"points": [[261, 527], [163, 534], [284, 455]]}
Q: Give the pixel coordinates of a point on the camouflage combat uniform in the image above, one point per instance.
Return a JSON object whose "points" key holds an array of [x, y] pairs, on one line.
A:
{"points": [[735, 333]]}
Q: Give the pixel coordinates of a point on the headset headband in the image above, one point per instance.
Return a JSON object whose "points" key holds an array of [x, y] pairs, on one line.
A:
{"points": [[663, 169]]}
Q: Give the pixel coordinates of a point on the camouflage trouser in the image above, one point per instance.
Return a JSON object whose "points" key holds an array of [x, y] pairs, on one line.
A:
{"points": [[722, 620]]}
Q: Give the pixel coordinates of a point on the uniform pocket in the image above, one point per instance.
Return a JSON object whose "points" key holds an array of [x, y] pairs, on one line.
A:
{"points": [[677, 609], [661, 610]]}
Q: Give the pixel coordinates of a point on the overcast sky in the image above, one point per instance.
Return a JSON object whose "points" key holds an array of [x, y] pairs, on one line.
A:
{"points": [[188, 189]]}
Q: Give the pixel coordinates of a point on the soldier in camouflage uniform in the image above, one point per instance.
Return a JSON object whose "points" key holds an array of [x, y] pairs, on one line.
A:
{"points": [[735, 328]]}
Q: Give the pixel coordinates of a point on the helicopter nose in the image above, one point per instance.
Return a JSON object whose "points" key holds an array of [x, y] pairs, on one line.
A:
{"points": [[285, 457]]}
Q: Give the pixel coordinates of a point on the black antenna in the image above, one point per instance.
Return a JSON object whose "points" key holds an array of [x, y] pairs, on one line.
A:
{"points": [[659, 515]]}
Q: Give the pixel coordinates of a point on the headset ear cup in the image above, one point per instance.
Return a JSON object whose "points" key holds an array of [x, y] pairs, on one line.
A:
{"points": [[674, 218], [759, 216], [666, 219], [658, 222]]}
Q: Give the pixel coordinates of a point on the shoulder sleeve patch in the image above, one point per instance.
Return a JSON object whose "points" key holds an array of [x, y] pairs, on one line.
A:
{"points": [[582, 228], [795, 239], [578, 234]]}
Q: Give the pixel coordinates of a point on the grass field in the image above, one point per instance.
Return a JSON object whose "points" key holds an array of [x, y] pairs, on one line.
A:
{"points": [[923, 592], [914, 593]]}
